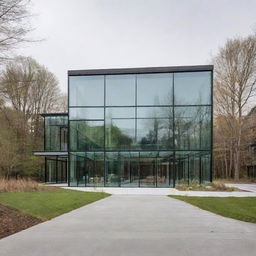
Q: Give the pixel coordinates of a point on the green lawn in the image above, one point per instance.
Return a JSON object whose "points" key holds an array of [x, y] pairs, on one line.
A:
{"points": [[48, 204], [240, 208]]}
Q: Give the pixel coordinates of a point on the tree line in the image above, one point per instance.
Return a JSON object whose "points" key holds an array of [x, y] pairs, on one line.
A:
{"points": [[28, 88], [234, 97]]}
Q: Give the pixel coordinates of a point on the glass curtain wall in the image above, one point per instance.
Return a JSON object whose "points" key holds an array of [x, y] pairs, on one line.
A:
{"points": [[55, 127], [56, 169], [140, 130], [55, 140]]}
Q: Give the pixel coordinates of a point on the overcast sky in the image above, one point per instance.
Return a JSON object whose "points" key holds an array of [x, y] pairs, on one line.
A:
{"points": [[86, 34]]}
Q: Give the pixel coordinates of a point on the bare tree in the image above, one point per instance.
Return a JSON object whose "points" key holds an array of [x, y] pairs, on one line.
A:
{"points": [[62, 103], [14, 25], [235, 85], [30, 89], [26, 90]]}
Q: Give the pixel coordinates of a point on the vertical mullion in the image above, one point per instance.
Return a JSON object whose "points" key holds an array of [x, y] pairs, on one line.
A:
{"points": [[139, 169], [85, 169], [45, 167], [68, 140], [104, 135], [173, 136], [136, 108], [188, 169], [44, 136], [211, 160], [200, 169], [56, 169]]}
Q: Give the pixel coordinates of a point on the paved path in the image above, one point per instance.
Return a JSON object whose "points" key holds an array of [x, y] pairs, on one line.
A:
{"points": [[162, 191], [244, 186], [129, 225]]}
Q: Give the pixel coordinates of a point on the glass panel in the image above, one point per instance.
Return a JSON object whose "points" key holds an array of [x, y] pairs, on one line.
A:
{"points": [[86, 113], [86, 135], [154, 89], [164, 169], [62, 170], [64, 138], [205, 167], [73, 169], [94, 162], [113, 169], [192, 88], [193, 127], [125, 169], [148, 166], [77, 169], [87, 169], [120, 128], [51, 170], [53, 127], [182, 167], [128, 163], [86, 90], [192, 166], [112, 113], [155, 128], [155, 112], [80, 169], [120, 90], [134, 169]]}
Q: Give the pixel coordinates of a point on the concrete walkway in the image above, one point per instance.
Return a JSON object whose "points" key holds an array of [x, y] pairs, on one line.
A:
{"points": [[244, 186], [161, 191], [129, 225]]}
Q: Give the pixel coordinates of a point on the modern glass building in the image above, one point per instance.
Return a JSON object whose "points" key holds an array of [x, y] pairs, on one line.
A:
{"points": [[141, 127], [55, 147]]}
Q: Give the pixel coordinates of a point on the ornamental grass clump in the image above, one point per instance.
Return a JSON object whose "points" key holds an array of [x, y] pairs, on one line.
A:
{"points": [[21, 185]]}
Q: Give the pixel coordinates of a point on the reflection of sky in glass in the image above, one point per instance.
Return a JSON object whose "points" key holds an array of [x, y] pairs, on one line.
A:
{"points": [[127, 126], [154, 89], [154, 112], [120, 90], [121, 118], [120, 112], [192, 88], [86, 113], [86, 90]]}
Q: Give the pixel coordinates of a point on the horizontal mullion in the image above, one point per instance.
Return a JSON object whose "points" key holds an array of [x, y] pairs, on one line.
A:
{"points": [[134, 150], [144, 106], [75, 120]]}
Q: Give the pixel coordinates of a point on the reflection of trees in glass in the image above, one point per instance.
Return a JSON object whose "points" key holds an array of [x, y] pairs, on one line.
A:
{"points": [[85, 136], [120, 127], [192, 126], [116, 138], [53, 126], [159, 124], [151, 138]]}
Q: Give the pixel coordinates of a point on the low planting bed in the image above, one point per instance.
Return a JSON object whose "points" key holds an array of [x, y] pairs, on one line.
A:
{"points": [[213, 186]]}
